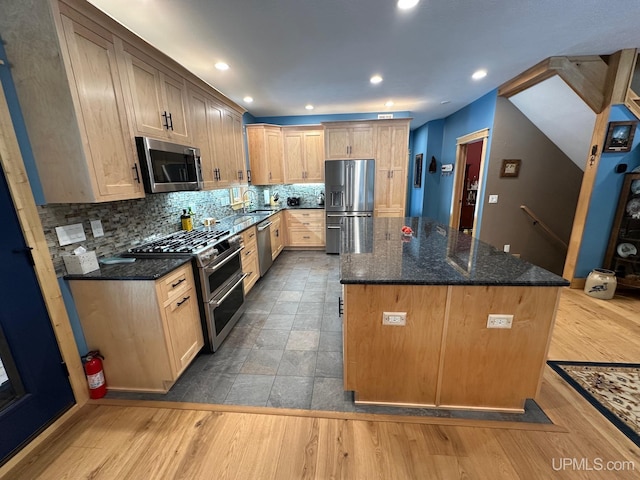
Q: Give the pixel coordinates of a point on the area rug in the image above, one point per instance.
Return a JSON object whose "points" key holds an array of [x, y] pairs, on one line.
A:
{"points": [[613, 388]]}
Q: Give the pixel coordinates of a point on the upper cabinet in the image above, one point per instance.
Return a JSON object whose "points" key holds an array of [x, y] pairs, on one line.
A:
{"points": [[303, 154], [158, 98], [87, 86], [69, 86], [265, 154], [392, 161], [345, 140], [217, 131]]}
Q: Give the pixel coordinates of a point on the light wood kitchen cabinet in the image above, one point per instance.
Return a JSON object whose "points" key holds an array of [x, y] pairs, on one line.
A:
{"points": [[277, 235], [392, 161], [158, 98], [148, 331], [217, 132], [265, 154], [249, 259], [303, 154], [305, 228], [345, 140], [80, 135]]}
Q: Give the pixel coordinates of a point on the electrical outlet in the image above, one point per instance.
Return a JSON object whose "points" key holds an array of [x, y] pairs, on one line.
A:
{"points": [[499, 321], [506, 248], [493, 198], [396, 319]]}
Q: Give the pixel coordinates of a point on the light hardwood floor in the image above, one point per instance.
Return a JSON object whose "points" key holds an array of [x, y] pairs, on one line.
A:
{"points": [[128, 440]]}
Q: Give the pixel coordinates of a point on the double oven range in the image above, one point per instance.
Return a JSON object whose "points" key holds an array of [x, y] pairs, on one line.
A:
{"points": [[218, 272]]}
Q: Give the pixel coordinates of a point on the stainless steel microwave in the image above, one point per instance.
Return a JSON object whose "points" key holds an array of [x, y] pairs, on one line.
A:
{"points": [[169, 167]]}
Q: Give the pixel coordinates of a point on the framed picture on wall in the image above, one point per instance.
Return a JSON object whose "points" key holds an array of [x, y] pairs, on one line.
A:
{"points": [[417, 172], [619, 137], [510, 168]]}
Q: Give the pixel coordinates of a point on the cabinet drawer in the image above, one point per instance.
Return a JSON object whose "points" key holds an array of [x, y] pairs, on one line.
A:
{"points": [[306, 237], [249, 235], [175, 283], [251, 266], [305, 218]]}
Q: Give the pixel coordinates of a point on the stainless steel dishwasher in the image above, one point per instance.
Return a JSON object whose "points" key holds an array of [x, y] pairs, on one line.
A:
{"points": [[264, 246]]}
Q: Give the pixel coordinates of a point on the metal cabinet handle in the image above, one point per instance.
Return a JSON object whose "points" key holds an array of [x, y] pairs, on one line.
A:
{"points": [[170, 121], [340, 305], [184, 299], [135, 167], [252, 235], [174, 285], [165, 123]]}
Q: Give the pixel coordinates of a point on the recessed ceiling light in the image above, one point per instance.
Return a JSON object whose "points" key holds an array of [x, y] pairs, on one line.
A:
{"points": [[478, 74], [248, 99], [375, 79], [222, 66], [444, 102], [407, 4], [309, 107], [389, 104]]}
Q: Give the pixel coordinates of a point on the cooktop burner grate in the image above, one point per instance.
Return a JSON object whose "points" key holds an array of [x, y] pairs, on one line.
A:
{"points": [[182, 242]]}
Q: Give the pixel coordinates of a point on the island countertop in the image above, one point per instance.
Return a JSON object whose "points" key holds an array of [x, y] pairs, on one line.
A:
{"points": [[375, 251]]}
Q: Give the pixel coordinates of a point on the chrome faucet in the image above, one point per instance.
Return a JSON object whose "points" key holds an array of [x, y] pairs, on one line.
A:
{"points": [[244, 202]]}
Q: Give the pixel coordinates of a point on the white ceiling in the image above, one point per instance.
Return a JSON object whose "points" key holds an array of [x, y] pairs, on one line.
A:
{"points": [[561, 115], [287, 53]]}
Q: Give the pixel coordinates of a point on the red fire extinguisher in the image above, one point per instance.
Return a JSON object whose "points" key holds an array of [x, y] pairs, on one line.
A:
{"points": [[95, 374]]}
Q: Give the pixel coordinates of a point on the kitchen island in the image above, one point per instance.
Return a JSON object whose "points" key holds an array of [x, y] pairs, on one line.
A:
{"points": [[416, 311]]}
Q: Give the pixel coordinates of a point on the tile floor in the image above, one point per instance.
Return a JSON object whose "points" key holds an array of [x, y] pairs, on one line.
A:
{"points": [[286, 350]]}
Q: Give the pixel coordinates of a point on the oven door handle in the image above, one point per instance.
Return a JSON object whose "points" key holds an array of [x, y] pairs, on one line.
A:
{"points": [[218, 265], [217, 303]]}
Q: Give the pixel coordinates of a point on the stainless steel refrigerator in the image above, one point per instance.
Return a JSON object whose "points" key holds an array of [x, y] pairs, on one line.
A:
{"points": [[349, 193]]}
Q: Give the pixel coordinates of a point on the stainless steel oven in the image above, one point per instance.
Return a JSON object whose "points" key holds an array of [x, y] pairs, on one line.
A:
{"points": [[222, 292]]}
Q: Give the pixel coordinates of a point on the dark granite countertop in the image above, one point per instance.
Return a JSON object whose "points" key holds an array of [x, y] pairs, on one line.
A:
{"points": [[374, 251], [141, 269]]}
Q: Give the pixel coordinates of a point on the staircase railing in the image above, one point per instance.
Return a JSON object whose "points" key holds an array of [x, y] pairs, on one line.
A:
{"points": [[544, 226]]}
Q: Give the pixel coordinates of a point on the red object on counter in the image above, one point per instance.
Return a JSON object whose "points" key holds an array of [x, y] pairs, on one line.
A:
{"points": [[95, 374]]}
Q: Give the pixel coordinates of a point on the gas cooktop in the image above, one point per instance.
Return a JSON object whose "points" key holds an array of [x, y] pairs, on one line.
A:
{"points": [[182, 242]]}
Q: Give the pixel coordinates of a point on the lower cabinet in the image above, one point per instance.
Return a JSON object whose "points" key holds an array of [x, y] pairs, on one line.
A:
{"points": [[250, 262], [277, 235], [305, 228], [148, 331]]}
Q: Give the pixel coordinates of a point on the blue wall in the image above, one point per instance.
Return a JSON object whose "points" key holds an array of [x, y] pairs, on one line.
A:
{"points": [[604, 199], [438, 138], [19, 127], [316, 119]]}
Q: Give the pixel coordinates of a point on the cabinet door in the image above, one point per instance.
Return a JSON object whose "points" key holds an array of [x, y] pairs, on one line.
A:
{"points": [[257, 155], [337, 143], [238, 163], [219, 144], [294, 149], [201, 133], [175, 105], [109, 145], [273, 139], [391, 170], [146, 95], [361, 144], [314, 156], [184, 329]]}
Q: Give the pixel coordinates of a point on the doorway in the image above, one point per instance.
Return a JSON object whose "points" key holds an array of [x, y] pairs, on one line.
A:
{"points": [[468, 182]]}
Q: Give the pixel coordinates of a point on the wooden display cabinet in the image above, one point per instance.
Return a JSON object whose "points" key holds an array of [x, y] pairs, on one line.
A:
{"points": [[623, 252]]}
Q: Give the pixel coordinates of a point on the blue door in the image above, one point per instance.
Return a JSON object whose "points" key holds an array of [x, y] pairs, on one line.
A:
{"points": [[34, 387]]}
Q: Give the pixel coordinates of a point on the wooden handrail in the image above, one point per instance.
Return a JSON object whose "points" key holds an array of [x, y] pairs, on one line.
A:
{"points": [[544, 226]]}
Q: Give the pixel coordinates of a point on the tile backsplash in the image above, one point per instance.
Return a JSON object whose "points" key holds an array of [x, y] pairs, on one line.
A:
{"points": [[131, 222]]}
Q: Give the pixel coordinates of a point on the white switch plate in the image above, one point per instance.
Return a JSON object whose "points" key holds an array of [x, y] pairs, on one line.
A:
{"points": [[96, 228], [70, 234], [396, 319], [493, 198], [506, 248], [499, 321]]}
